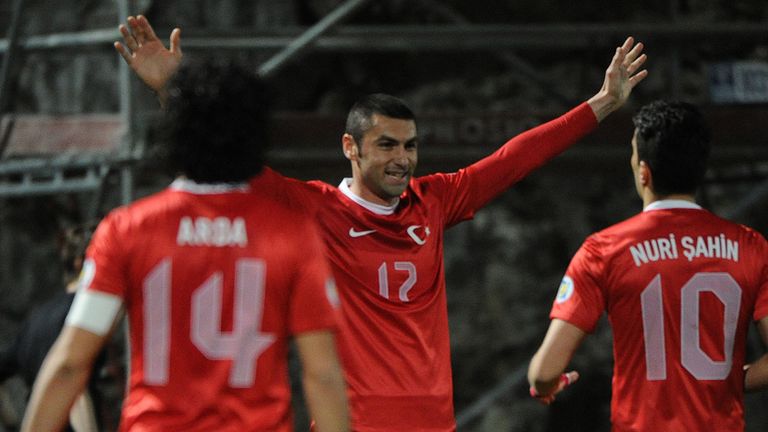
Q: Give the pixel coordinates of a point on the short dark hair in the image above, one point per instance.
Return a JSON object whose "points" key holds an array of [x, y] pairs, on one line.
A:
{"points": [[215, 123], [359, 118], [674, 140]]}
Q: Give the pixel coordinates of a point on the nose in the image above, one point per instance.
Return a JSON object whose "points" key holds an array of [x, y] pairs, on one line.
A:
{"points": [[401, 156]]}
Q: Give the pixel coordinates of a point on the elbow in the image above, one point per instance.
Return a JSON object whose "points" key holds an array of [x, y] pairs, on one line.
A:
{"points": [[68, 374], [72, 369], [67, 368]]}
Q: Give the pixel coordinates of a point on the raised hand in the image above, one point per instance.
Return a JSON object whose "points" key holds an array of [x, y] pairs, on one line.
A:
{"points": [[147, 55], [621, 76]]}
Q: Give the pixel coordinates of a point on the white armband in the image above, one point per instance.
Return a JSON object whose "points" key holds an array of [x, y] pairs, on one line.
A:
{"points": [[94, 311]]}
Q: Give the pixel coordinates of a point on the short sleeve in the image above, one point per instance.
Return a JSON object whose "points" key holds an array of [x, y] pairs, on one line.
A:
{"points": [[314, 301], [105, 267], [580, 300]]}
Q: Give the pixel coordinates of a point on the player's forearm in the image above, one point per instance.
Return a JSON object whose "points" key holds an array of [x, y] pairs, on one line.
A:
{"points": [[55, 390], [756, 376], [551, 359], [527, 151], [327, 401], [532, 148]]}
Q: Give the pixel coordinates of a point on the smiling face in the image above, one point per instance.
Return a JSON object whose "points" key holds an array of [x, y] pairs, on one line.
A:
{"points": [[384, 162]]}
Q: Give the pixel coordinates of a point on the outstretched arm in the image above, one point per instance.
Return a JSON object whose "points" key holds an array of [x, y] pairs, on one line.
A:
{"points": [[146, 54], [622, 75], [474, 186], [545, 373]]}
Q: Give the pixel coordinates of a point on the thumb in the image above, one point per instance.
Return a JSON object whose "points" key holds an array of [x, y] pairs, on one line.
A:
{"points": [[569, 378], [176, 41]]}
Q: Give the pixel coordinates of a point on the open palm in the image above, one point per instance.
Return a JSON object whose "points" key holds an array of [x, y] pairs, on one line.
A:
{"points": [[146, 54]]}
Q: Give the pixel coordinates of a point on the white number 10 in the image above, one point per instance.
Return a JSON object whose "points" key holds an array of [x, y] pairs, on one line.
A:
{"points": [[242, 345], [694, 359]]}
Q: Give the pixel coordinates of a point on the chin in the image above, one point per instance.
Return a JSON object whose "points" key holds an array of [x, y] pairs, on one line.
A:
{"points": [[395, 192]]}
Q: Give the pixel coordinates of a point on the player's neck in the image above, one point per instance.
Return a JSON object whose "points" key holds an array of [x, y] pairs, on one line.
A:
{"points": [[650, 197], [358, 188]]}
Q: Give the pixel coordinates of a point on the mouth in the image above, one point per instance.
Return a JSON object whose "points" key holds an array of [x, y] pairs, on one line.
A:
{"points": [[396, 175]]}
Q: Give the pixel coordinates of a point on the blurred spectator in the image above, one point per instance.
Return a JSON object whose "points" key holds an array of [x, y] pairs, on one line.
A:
{"points": [[43, 324]]}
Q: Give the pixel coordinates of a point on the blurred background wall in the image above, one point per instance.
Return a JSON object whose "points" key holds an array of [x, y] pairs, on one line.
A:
{"points": [[76, 140]]}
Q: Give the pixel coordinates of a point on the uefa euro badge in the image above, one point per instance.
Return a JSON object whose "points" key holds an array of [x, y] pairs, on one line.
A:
{"points": [[565, 291]]}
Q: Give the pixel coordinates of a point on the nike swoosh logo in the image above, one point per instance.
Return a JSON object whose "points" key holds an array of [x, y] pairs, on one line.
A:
{"points": [[353, 233], [412, 232]]}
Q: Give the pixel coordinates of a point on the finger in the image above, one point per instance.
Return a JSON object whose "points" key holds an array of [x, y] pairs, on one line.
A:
{"points": [[616, 63], [628, 44], [634, 53], [136, 30], [146, 28], [571, 377], [139, 32], [618, 57], [130, 41], [176, 41], [123, 52], [636, 78], [635, 65]]}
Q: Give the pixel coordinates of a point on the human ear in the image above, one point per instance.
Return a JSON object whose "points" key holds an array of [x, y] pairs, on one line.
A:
{"points": [[349, 146], [644, 172]]}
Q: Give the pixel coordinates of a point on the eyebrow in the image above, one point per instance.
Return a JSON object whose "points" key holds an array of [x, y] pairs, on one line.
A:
{"points": [[392, 139]]}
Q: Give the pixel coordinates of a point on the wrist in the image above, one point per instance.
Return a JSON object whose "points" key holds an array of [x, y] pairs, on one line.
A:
{"points": [[603, 104], [162, 96]]}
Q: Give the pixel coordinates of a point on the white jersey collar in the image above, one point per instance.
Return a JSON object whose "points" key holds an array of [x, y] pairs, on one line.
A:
{"points": [[376, 208], [671, 204], [187, 185]]}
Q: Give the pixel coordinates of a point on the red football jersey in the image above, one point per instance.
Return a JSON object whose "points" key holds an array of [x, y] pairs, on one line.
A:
{"points": [[214, 282], [680, 286], [394, 342]]}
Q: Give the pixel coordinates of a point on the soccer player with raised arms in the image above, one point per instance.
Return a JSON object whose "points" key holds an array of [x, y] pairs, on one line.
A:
{"points": [[383, 232]]}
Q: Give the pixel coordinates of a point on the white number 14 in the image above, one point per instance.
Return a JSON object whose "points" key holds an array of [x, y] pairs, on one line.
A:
{"points": [[242, 345]]}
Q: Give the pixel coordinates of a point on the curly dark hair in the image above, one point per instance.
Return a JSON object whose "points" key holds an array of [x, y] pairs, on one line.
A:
{"points": [[359, 117], [674, 140], [215, 124]]}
